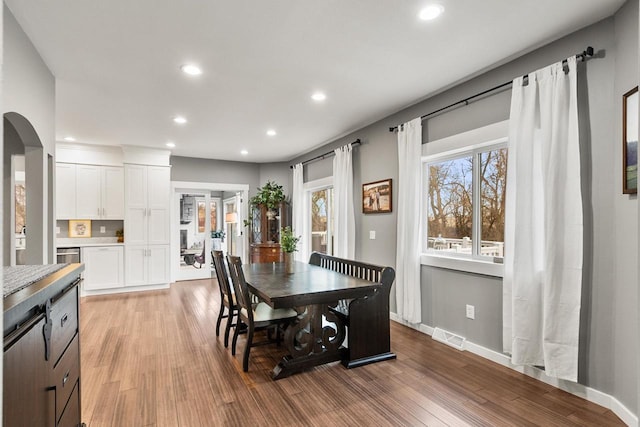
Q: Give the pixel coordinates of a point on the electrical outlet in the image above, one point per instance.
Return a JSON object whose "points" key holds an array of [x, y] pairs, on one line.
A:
{"points": [[57, 230], [103, 229], [372, 234], [471, 312]]}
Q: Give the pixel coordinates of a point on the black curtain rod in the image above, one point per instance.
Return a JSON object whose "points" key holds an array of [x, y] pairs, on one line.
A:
{"points": [[328, 153], [588, 52]]}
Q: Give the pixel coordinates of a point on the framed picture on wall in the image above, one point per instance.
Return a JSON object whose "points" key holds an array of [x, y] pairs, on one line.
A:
{"points": [[79, 228], [376, 197], [630, 142]]}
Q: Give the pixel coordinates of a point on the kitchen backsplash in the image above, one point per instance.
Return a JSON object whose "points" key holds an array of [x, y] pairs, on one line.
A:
{"points": [[110, 228]]}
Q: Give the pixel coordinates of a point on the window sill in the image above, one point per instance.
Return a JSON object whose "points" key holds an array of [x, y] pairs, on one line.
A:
{"points": [[467, 265]]}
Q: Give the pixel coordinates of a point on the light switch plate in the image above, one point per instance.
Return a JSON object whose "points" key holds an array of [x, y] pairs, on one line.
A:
{"points": [[103, 229], [57, 230], [372, 234]]}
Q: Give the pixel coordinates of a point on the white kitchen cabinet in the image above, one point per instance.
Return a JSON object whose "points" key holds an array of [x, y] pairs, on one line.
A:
{"points": [[97, 192], [147, 227], [103, 267], [100, 192], [65, 191], [147, 264], [88, 205]]}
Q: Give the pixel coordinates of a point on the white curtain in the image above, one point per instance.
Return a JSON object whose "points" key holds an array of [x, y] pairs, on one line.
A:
{"points": [[409, 223], [543, 229], [297, 208], [344, 225]]}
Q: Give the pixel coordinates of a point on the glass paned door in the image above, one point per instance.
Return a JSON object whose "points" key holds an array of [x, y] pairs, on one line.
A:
{"points": [[195, 236], [322, 221]]}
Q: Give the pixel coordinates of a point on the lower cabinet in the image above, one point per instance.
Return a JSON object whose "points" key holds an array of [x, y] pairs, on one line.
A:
{"points": [[41, 384], [104, 267], [146, 265]]}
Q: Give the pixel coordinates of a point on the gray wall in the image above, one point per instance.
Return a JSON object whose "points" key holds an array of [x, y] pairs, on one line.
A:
{"points": [[609, 325], [216, 171], [29, 90]]}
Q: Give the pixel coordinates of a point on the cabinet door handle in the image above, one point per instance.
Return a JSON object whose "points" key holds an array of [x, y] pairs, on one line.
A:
{"points": [[98, 211], [149, 211], [63, 320], [65, 379]]}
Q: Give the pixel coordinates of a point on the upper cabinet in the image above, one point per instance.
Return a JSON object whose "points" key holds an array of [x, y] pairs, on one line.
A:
{"points": [[89, 192], [147, 196], [65, 191]]}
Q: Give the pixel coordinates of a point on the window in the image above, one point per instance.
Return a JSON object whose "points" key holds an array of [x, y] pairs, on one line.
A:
{"points": [[318, 214], [465, 189]]}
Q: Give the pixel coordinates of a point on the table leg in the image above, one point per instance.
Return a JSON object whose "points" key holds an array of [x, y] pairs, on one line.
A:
{"points": [[310, 343]]}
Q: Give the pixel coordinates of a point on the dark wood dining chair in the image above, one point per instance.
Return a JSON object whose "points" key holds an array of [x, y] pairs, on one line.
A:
{"points": [[254, 316], [227, 297]]}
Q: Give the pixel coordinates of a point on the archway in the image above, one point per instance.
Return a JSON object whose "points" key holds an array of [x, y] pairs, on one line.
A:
{"points": [[23, 147]]}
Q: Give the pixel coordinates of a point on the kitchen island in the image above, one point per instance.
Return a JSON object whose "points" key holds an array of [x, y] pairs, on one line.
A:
{"points": [[41, 384]]}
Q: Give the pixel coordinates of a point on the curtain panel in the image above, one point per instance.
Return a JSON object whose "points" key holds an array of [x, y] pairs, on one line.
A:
{"points": [[344, 214], [543, 223], [409, 224], [297, 208]]}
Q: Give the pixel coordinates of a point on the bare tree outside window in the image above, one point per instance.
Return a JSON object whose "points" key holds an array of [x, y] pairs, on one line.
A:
{"points": [[450, 198]]}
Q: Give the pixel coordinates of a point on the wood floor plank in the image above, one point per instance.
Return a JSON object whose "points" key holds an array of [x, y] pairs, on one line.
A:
{"points": [[153, 359]]}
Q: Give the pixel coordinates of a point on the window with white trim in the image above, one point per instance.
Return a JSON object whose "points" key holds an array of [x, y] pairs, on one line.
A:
{"points": [[319, 215], [464, 191]]}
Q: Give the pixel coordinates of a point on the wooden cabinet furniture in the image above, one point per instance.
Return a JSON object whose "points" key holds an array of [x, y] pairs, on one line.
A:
{"points": [[41, 383], [266, 252], [147, 198], [104, 267], [89, 192], [265, 233]]}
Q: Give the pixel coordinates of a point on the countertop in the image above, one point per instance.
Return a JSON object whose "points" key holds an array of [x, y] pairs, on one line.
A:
{"points": [[87, 242], [22, 304]]}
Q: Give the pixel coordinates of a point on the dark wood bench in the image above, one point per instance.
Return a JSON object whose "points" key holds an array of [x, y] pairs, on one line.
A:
{"points": [[367, 318]]}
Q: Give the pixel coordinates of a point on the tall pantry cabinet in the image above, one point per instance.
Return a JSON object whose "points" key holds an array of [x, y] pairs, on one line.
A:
{"points": [[147, 226]]}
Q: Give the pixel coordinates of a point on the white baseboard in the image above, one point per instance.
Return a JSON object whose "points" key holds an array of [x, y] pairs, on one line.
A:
{"points": [[123, 290], [580, 390]]}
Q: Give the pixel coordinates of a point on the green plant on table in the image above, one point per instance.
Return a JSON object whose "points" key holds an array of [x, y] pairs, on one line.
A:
{"points": [[288, 240]]}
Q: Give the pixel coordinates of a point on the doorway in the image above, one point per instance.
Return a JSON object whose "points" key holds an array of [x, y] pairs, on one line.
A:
{"points": [[203, 219]]}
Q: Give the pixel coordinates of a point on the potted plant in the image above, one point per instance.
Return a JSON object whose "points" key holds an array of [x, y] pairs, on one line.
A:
{"points": [[217, 237], [269, 195], [120, 235], [289, 244]]}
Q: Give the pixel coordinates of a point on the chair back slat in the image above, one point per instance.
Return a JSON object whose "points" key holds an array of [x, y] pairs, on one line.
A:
{"points": [[222, 275], [240, 285]]}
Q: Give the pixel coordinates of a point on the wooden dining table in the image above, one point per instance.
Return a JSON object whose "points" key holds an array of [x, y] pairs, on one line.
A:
{"points": [[317, 335]]}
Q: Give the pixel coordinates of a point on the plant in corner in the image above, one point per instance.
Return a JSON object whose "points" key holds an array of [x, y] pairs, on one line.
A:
{"points": [[269, 195]]}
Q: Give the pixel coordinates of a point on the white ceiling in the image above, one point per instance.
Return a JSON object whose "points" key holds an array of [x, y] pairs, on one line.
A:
{"points": [[118, 80]]}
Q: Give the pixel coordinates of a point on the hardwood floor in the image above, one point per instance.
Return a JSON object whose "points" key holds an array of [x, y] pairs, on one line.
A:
{"points": [[152, 359]]}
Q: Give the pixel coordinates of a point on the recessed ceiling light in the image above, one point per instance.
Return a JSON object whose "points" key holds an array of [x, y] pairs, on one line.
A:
{"points": [[170, 144], [271, 132], [191, 69], [69, 138], [180, 120], [431, 12], [318, 96], [244, 152]]}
